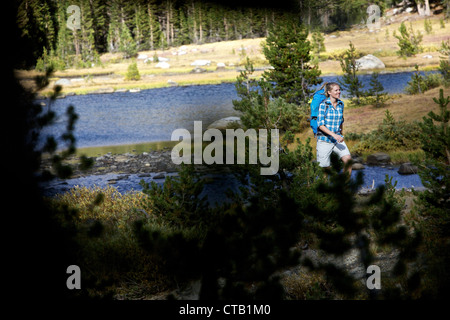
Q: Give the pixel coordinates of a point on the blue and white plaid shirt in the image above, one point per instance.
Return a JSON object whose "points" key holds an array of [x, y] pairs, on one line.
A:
{"points": [[330, 117]]}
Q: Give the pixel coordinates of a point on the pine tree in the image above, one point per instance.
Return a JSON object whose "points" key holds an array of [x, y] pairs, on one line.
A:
{"points": [[408, 41], [260, 108], [377, 91], [318, 42], [288, 52], [133, 72], [36, 20], [350, 80], [444, 63], [153, 25], [433, 202]]}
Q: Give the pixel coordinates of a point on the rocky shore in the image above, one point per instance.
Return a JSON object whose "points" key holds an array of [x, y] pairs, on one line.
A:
{"points": [[154, 163], [157, 164]]}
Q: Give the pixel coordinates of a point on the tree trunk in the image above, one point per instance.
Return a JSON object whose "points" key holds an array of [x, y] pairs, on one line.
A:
{"points": [[423, 8], [168, 24], [76, 42], [200, 26], [195, 23], [150, 16]]}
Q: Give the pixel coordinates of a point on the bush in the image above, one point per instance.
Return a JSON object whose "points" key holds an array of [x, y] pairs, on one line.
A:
{"points": [[420, 84], [408, 41], [389, 136], [49, 62], [133, 72]]}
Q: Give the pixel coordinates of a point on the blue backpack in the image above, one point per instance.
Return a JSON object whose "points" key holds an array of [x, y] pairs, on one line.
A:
{"points": [[317, 99]]}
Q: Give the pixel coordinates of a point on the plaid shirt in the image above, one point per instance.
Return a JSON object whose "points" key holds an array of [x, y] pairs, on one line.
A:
{"points": [[330, 117]]}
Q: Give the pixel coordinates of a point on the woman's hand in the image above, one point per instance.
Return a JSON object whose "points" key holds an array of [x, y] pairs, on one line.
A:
{"points": [[338, 138]]}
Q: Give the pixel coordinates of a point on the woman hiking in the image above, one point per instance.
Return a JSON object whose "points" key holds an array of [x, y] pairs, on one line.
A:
{"points": [[330, 123]]}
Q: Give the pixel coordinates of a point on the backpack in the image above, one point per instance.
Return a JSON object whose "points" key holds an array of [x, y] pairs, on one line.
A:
{"points": [[318, 98]]}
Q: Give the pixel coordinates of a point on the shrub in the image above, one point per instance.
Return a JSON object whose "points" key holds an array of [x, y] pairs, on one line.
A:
{"points": [[133, 72], [444, 66], [420, 84], [375, 95], [408, 41], [389, 136]]}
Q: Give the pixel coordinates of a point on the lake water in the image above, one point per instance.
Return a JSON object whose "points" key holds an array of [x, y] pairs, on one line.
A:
{"points": [[152, 115]]}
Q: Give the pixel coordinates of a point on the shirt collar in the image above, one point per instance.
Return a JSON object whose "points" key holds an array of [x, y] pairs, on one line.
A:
{"points": [[339, 101]]}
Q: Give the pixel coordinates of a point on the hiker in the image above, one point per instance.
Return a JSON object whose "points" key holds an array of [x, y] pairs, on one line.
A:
{"points": [[330, 121]]}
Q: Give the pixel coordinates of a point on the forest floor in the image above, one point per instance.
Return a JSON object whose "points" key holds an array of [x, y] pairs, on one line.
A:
{"points": [[226, 59]]}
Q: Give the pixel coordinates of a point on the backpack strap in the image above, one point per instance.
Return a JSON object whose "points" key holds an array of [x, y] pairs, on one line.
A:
{"points": [[319, 132]]}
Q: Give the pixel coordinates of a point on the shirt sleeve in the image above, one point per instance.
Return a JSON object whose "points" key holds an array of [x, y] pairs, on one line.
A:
{"points": [[321, 115]]}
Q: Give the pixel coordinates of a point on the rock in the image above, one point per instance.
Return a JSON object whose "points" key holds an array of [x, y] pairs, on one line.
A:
{"points": [[159, 176], [171, 83], [369, 62], [378, 158], [224, 123], [135, 90], [407, 168], [358, 166], [142, 57], [357, 159], [427, 56], [63, 82], [103, 90], [162, 65], [198, 70], [201, 63], [121, 90], [162, 59]]}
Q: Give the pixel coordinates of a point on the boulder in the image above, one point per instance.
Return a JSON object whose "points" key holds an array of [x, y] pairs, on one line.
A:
{"points": [[407, 168], [162, 65], [378, 158], [198, 70], [369, 62], [171, 83], [201, 63], [103, 90], [223, 123], [63, 82], [357, 158], [358, 166]]}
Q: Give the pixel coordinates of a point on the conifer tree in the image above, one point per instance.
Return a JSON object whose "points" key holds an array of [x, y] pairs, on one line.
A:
{"points": [[408, 41], [288, 52], [260, 108], [318, 42], [377, 91], [350, 80], [127, 44], [432, 204], [153, 25]]}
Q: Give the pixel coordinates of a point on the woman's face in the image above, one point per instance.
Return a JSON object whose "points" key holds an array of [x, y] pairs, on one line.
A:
{"points": [[335, 92]]}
